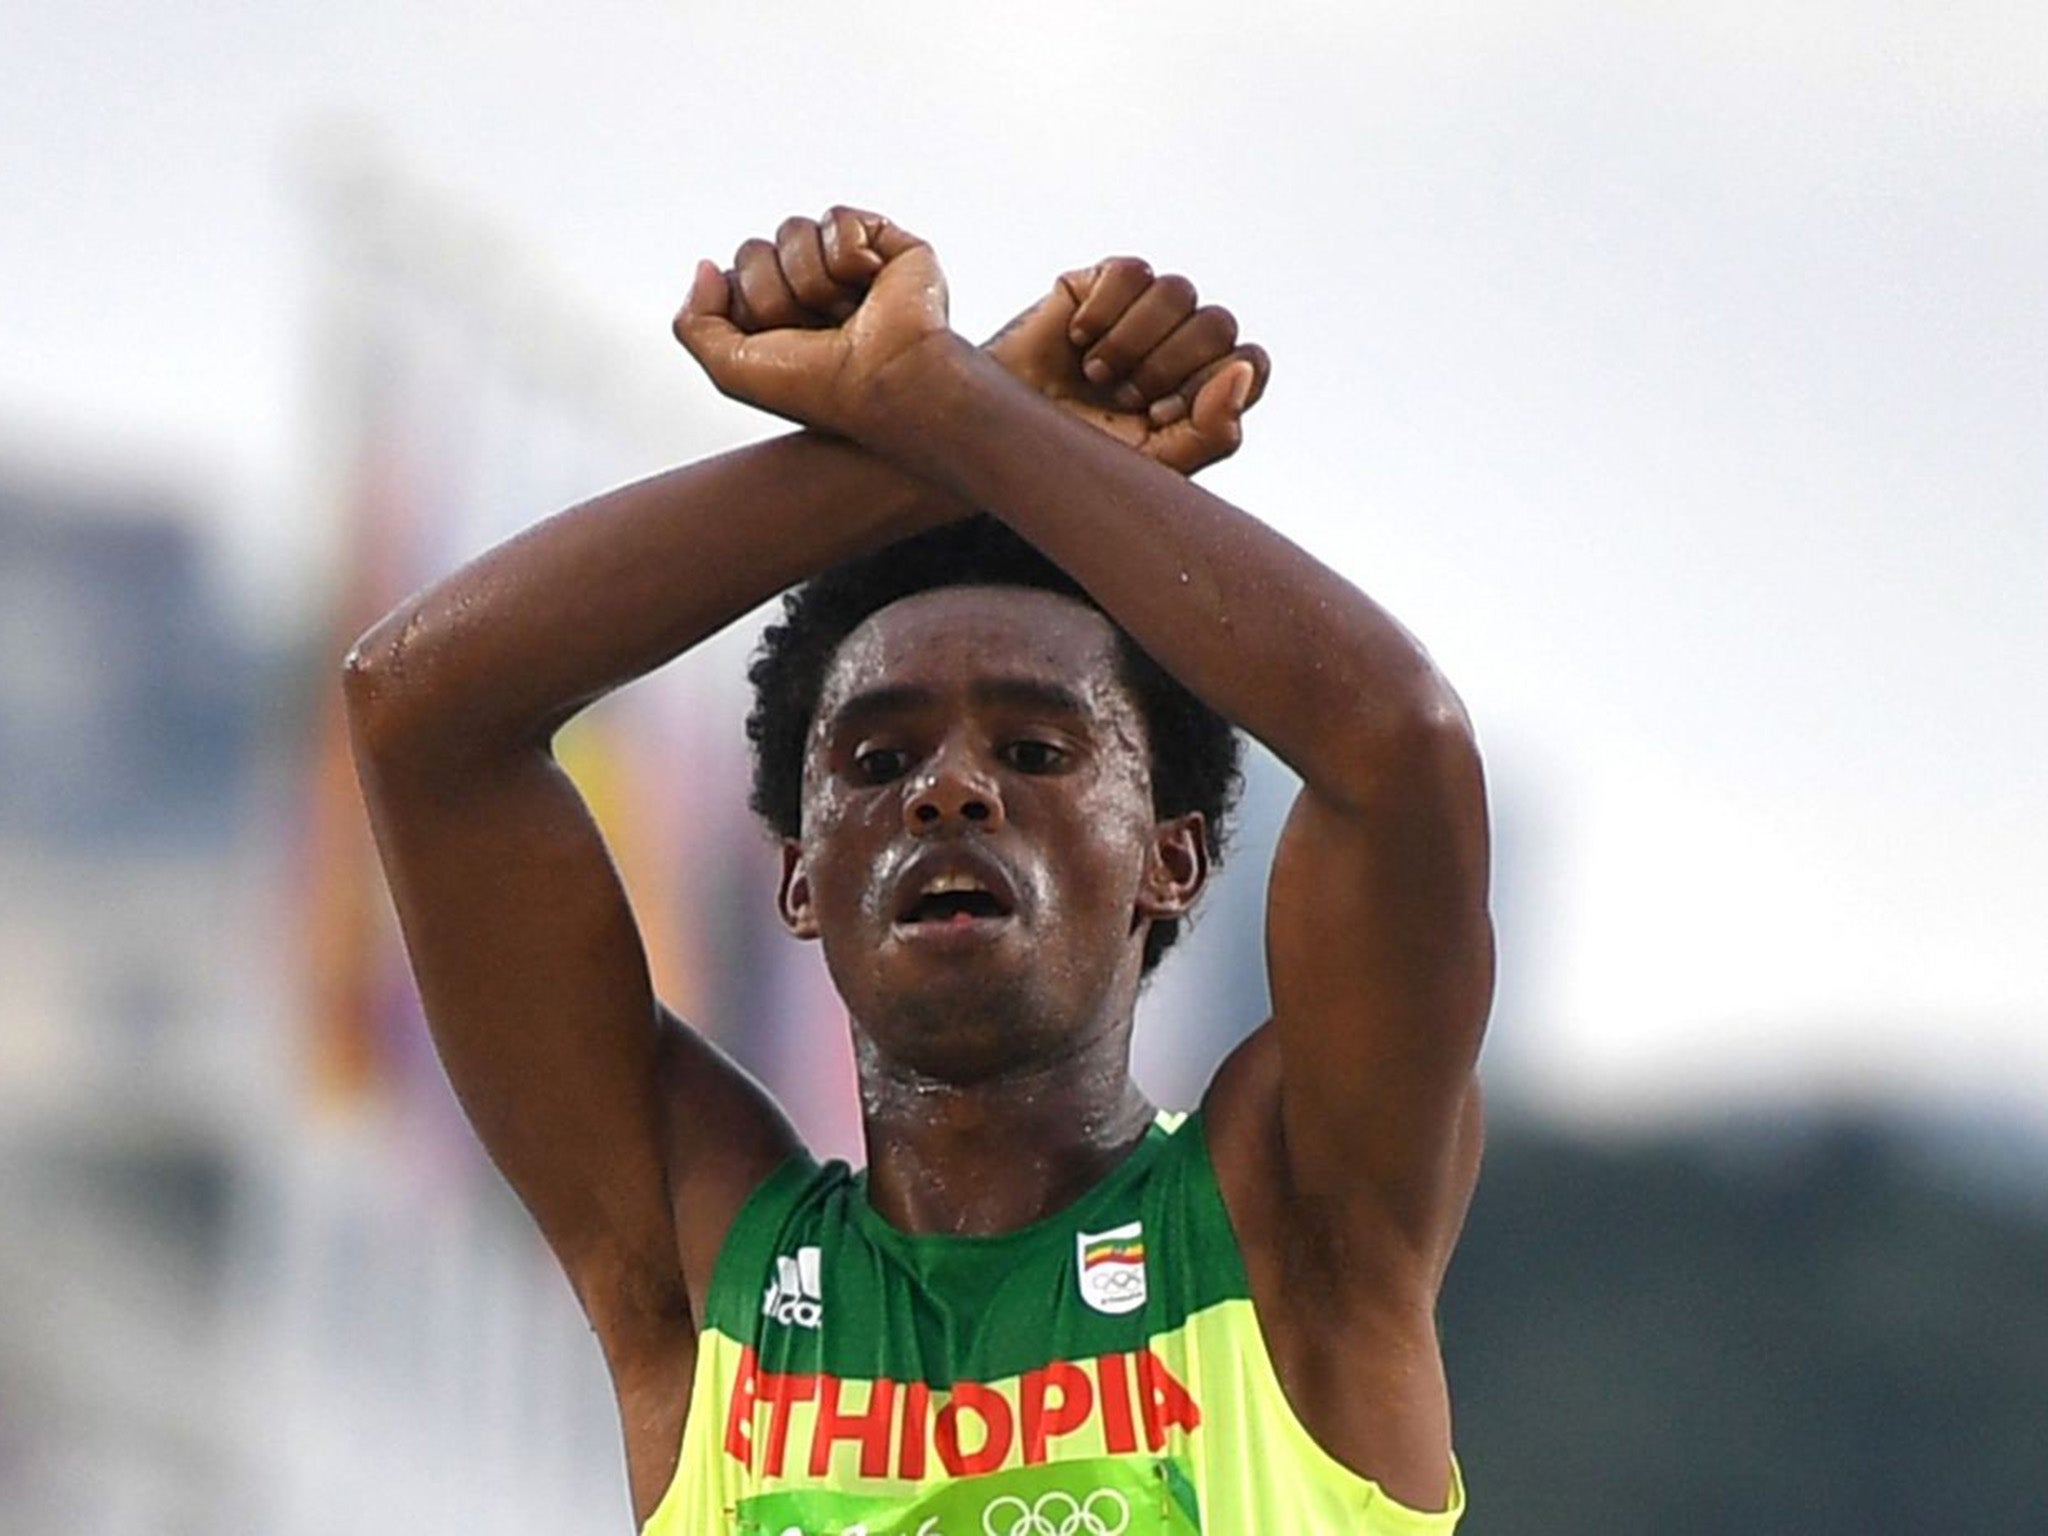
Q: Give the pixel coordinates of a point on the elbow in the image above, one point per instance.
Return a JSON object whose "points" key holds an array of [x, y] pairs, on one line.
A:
{"points": [[385, 714], [368, 672], [1440, 725], [1417, 743], [1431, 734], [421, 704], [362, 675]]}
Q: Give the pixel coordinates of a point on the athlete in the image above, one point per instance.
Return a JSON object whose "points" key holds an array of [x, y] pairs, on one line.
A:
{"points": [[993, 738]]}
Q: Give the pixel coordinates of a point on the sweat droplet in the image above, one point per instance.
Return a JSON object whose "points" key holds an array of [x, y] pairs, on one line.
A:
{"points": [[1183, 578]]}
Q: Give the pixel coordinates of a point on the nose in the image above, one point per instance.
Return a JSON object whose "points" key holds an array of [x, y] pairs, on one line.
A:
{"points": [[952, 789]]}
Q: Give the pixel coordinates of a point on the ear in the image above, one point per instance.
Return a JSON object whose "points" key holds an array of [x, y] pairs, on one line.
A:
{"points": [[1177, 869], [793, 894]]}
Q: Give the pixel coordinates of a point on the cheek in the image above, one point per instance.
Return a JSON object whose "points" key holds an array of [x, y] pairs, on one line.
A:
{"points": [[1113, 823], [843, 847], [1126, 773], [826, 808]]}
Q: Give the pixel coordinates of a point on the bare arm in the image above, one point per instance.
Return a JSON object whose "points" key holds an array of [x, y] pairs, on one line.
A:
{"points": [[1347, 1130], [1379, 939], [631, 1140], [1379, 944]]}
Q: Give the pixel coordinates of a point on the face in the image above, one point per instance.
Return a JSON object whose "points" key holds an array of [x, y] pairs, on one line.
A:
{"points": [[979, 853]]}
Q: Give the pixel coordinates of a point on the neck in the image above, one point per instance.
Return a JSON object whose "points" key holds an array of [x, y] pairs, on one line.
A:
{"points": [[999, 1153]]}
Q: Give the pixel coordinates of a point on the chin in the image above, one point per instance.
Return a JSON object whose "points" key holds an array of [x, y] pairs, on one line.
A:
{"points": [[966, 1027]]}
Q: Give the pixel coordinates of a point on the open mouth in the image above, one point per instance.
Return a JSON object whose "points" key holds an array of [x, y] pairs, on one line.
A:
{"points": [[953, 906], [953, 900]]}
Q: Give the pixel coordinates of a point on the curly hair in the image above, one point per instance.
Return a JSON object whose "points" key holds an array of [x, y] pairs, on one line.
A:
{"points": [[1196, 754]]}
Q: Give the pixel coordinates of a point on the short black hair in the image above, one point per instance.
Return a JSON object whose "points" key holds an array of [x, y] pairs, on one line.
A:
{"points": [[1196, 754]]}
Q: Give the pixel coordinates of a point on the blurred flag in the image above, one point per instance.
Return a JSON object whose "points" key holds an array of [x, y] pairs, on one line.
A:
{"points": [[356, 1016], [461, 403], [443, 439]]}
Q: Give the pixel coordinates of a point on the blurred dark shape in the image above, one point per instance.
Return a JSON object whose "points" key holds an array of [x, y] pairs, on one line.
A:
{"points": [[126, 702], [129, 712], [1824, 1327]]}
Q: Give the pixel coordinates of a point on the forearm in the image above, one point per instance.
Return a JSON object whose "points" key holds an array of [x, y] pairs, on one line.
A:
{"points": [[498, 655], [1254, 625]]}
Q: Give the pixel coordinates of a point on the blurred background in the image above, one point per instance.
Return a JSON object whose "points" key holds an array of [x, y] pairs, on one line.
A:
{"points": [[1679, 373]]}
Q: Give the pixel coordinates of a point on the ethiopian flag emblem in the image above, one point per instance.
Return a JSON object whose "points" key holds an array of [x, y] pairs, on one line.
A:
{"points": [[1111, 1268]]}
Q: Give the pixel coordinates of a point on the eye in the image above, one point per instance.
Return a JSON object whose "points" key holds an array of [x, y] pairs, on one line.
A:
{"points": [[1034, 756], [878, 765]]}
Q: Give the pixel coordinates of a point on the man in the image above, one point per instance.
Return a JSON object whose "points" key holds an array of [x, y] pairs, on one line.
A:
{"points": [[1043, 1307]]}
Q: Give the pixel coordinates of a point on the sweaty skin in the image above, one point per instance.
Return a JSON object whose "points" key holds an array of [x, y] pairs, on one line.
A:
{"points": [[1020, 1023], [995, 732]]}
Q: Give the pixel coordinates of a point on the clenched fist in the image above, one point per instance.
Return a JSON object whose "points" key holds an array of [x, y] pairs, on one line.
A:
{"points": [[880, 296], [1132, 353], [806, 324]]}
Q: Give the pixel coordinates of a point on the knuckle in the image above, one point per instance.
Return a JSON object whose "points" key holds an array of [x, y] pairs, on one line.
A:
{"points": [[1120, 280], [1219, 322], [1177, 288], [815, 289], [844, 252], [1153, 381], [1103, 364]]}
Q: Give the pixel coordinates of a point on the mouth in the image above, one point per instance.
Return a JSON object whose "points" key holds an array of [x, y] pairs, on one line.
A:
{"points": [[954, 893], [952, 907]]}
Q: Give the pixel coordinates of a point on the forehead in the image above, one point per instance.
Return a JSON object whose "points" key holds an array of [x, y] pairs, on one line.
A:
{"points": [[947, 639]]}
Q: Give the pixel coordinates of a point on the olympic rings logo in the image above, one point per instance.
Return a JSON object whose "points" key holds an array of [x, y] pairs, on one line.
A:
{"points": [[1058, 1513]]}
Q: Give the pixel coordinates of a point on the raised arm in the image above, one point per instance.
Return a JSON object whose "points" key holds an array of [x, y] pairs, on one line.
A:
{"points": [[1353, 1112], [629, 1137]]}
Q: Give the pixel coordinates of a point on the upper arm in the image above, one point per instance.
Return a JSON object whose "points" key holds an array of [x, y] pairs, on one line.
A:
{"points": [[630, 1139], [1380, 952]]}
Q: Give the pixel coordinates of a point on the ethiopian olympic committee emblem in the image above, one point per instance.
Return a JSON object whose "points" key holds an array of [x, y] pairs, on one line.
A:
{"points": [[1111, 1268]]}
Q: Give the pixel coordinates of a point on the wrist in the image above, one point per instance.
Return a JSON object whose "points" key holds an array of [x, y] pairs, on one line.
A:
{"points": [[894, 501], [932, 375]]}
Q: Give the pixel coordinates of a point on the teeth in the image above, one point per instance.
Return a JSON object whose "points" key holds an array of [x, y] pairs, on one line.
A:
{"points": [[939, 885]]}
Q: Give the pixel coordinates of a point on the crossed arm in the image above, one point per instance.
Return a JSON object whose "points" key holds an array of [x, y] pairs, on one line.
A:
{"points": [[1379, 943], [629, 1137], [1345, 1132]]}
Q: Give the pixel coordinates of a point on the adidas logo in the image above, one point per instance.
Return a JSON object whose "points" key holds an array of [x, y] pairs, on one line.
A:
{"points": [[793, 1296]]}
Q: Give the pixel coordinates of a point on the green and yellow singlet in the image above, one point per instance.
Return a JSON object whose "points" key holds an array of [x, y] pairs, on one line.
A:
{"points": [[1099, 1373]]}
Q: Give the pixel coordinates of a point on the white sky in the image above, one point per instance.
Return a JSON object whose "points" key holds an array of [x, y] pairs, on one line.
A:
{"points": [[1679, 373]]}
